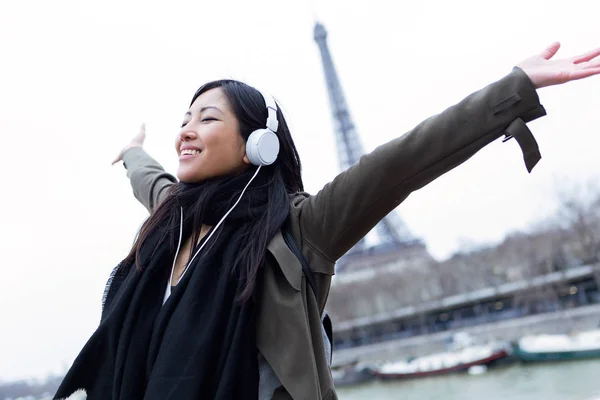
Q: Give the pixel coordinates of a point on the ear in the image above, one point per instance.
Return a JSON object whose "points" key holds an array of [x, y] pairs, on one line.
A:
{"points": [[245, 159]]}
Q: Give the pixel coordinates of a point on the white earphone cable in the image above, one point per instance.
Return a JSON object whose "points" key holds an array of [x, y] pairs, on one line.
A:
{"points": [[213, 230], [168, 291]]}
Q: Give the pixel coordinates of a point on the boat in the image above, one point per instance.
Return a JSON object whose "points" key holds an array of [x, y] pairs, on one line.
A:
{"points": [[352, 373], [582, 345], [445, 362]]}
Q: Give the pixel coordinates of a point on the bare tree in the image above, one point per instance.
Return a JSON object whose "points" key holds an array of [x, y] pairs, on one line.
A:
{"points": [[579, 214]]}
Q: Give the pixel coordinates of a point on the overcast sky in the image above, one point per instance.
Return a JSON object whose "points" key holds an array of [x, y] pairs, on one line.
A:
{"points": [[78, 77]]}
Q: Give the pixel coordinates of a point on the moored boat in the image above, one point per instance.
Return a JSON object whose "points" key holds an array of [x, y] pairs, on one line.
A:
{"points": [[577, 346], [444, 363]]}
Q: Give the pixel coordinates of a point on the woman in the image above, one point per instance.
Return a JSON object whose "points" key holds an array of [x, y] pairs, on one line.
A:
{"points": [[211, 303]]}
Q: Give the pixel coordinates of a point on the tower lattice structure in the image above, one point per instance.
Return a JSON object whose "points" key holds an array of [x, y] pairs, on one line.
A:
{"points": [[391, 230]]}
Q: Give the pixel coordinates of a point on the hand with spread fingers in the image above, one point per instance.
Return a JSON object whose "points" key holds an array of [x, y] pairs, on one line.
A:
{"points": [[137, 141], [543, 71]]}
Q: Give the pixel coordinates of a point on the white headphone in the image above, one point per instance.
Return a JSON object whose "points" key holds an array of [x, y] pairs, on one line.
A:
{"points": [[262, 146]]}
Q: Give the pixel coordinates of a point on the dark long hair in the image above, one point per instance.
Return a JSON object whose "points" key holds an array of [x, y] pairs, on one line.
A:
{"points": [[283, 179]]}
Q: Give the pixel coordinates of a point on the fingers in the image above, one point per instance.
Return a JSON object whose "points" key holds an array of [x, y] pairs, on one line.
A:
{"points": [[550, 51], [116, 160], [138, 140], [141, 136], [588, 64], [584, 73], [587, 56]]}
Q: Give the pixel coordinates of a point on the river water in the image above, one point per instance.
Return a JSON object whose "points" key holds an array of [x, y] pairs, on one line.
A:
{"points": [[572, 380]]}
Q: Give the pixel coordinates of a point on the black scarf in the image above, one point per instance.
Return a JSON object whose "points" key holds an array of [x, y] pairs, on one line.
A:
{"points": [[201, 344]]}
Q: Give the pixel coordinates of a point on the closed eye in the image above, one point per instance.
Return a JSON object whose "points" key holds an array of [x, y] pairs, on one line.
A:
{"points": [[204, 120]]}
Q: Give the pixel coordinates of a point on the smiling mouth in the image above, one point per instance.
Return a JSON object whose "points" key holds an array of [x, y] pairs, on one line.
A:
{"points": [[190, 152]]}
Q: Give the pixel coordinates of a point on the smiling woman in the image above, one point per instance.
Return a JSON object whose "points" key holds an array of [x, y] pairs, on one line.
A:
{"points": [[212, 301]]}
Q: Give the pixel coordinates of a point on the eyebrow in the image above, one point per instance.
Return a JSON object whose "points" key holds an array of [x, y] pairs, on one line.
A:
{"points": [[206, 108]]}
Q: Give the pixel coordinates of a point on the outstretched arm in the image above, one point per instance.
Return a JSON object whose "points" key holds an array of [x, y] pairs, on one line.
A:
{"points": [[335, 219], [149, 180]]}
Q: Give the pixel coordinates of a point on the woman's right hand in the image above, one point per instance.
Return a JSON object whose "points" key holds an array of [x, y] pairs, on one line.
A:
{"points": [[137, 141]]}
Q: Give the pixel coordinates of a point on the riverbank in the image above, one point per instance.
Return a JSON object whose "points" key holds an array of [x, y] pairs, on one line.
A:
{"points": [[582, 318]]}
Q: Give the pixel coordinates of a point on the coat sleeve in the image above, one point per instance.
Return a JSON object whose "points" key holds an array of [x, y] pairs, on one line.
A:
{"points": [[347, 208], [149, 180]]}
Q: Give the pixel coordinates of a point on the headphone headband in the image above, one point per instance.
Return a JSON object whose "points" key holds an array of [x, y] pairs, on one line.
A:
{"points": [[272, 122]]}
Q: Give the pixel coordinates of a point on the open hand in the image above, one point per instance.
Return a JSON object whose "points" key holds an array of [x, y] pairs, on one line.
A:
{"points": [[545, 72], [137, 141]]}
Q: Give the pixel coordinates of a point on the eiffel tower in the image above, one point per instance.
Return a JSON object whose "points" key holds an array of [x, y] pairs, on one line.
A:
{"points": [[391, 230]]}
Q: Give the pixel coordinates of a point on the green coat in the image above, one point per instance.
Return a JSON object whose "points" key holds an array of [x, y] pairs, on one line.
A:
{"points": [[329, 223]]}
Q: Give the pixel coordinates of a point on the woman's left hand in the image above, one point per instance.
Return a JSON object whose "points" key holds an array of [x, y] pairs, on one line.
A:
{"points": [[546, 72]]}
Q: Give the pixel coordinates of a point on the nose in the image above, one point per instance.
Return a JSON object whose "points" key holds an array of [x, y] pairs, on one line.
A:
{"points": [[185, 136]]}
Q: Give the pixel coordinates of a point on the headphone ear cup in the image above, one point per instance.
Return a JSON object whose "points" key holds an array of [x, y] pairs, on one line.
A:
{"points": [[262, 147]]}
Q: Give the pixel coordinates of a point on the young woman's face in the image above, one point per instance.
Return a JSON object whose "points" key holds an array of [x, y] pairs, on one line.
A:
{"points": [[209, 144]]}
